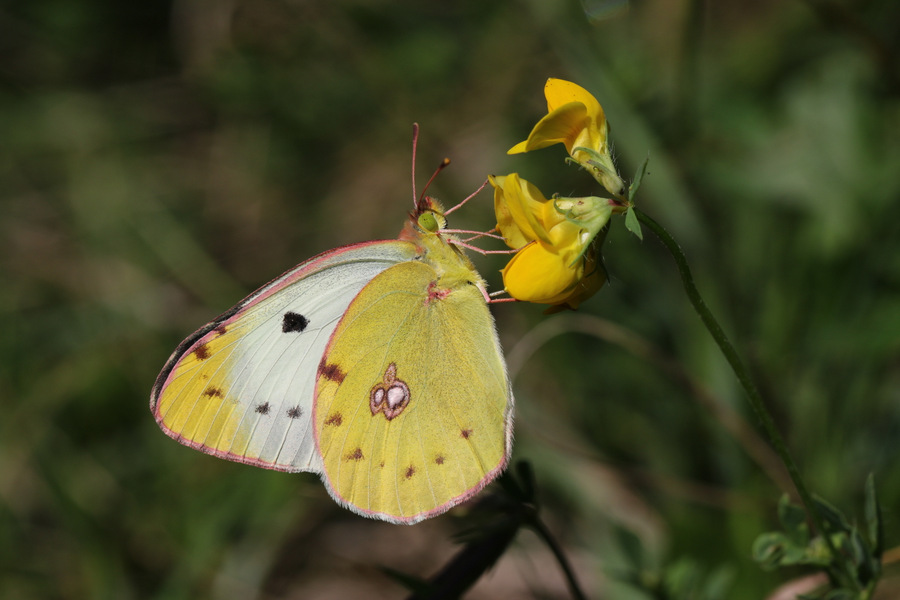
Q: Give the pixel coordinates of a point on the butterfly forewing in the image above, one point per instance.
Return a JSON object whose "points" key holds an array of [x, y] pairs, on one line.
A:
{"points": [[242, 386], [413, 407]]}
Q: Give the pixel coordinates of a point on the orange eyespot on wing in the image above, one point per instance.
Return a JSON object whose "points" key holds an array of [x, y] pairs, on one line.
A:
{"points": [[391, 396]]}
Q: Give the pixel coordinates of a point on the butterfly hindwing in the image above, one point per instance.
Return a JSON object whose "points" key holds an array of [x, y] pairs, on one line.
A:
{"points": [[242, 387], [413, 408]]}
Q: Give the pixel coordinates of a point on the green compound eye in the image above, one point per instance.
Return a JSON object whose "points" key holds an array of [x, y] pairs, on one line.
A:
{"points": [[429, 222]]}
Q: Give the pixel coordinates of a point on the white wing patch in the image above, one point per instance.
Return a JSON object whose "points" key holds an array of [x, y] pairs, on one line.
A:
{"points": [[242, 387]]}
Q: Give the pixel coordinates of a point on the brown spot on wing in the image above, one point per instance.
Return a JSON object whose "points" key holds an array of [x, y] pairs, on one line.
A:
{"points": [[356, 455], [295, 412], [439, 460], [213, 392], [410, 471], [201, 352], [331, 372], [465, 433], [221, 329], [336, 419], [263, 409]]}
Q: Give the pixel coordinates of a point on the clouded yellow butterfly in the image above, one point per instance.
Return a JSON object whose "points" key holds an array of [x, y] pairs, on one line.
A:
{"points": [[376, 365]]}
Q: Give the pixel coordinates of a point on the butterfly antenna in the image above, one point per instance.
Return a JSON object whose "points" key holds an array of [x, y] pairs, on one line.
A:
{"points": [[440, 168], [415, 142], [472, 195]]}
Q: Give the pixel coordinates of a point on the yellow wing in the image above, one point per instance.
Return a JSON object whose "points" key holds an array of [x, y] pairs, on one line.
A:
{"points": [[413, 408]]}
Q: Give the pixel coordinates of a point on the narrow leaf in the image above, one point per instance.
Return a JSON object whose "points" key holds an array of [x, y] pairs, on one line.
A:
{"points": [[873, 518], [832, 515], [632, 223], [636, 183]]}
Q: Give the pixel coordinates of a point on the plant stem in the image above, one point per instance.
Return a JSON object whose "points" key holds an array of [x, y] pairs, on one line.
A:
{"points": [[743, 375], [544, 533]]}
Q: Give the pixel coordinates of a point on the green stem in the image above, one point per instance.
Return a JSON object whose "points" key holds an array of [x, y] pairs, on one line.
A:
{"points": [[743, 376], [544, 533]]}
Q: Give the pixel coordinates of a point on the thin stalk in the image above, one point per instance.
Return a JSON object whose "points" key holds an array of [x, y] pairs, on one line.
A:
{"points": [[535, 523], [743, 375]]}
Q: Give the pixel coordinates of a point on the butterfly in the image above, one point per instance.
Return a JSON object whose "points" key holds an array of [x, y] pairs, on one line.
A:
{"points": [[376, 365]]}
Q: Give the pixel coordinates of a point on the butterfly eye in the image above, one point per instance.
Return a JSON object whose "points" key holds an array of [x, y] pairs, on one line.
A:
{"points": [[431, 221]]}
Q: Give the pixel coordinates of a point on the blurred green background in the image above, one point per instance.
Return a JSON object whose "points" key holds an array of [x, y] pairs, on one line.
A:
{"points": [[159, 160]]}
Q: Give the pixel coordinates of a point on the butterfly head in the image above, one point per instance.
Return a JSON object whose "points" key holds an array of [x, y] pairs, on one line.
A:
{"points": [[427, 218]]}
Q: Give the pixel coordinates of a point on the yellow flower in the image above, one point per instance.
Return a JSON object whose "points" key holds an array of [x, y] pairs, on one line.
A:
{"points": [[576, 119], [555, 262]]}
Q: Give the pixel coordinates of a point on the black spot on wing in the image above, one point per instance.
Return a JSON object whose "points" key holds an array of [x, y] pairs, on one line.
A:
{"points": [[293, 322], [295, 412], [263, 408]]}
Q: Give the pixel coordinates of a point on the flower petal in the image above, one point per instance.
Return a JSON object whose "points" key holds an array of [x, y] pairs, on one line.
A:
{"points": [[538, 275], [519, 204], [565, 124], [594, 278], [559, 92]]}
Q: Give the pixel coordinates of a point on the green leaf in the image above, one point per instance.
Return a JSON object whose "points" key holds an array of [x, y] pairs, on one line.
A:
{"points": [[793, 519], [841, 594], [631, 547], [719, 583], [858, 548], [832, 515], [632, 223], [818, 552], [682, 578], [769, 549], [636, 183], [873, 518]]}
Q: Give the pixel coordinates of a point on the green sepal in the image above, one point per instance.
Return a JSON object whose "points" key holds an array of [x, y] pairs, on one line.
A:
{"points": [[595, 156], [604, 170], [592, 217]]}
